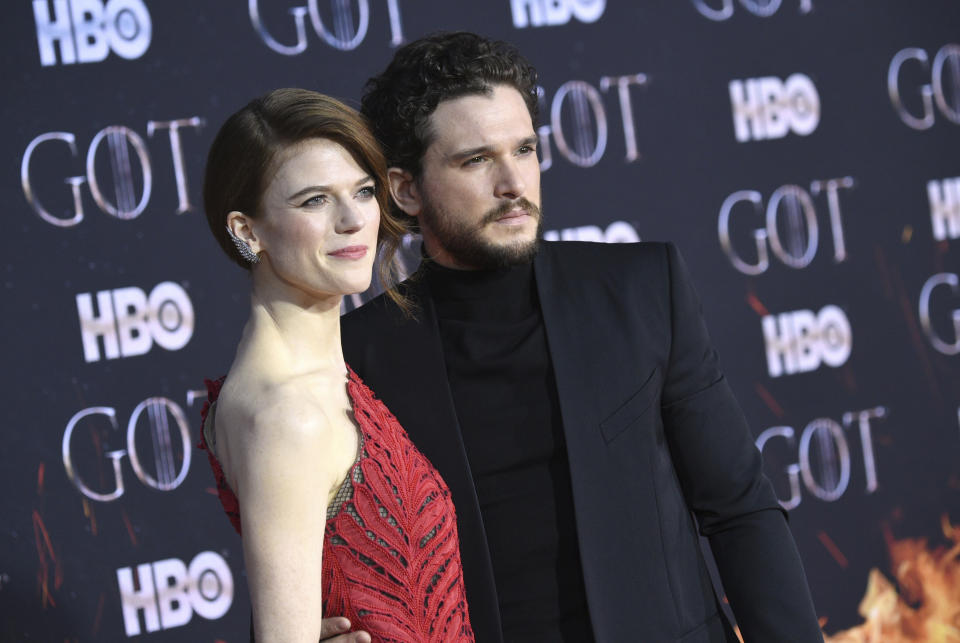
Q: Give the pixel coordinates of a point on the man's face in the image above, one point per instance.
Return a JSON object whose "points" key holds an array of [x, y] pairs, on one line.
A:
{"points": [[480, 183]]}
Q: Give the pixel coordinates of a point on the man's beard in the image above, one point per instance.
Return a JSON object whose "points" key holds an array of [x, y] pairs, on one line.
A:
{"points": [[467, 245]]}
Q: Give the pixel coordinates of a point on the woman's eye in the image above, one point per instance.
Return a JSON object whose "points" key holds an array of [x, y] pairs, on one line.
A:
{"points": [[319, 199], [367, 192]]}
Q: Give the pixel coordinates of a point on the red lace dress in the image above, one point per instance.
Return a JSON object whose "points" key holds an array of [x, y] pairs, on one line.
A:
{"points": [[391, 555]]}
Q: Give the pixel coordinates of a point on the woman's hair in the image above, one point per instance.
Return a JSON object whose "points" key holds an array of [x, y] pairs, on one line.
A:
{"points": [[243, 160]]}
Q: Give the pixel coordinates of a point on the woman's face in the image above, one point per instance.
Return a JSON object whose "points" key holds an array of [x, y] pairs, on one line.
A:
{"points": [[319, 221]]}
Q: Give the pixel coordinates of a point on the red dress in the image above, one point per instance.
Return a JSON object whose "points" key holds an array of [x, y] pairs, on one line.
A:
{"points": [[391, 553]]}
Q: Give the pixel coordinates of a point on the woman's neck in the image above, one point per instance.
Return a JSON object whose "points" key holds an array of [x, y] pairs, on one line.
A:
{"points": [[295, 335]]}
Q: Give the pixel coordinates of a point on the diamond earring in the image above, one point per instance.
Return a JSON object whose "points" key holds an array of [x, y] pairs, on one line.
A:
{"points": [[243, 248]]}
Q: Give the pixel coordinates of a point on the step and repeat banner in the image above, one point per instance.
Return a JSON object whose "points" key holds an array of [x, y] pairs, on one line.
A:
{"points": [[803, 154]]}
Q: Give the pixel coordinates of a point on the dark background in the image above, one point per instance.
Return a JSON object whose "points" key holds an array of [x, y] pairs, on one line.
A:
{"points": [[61, 550]]}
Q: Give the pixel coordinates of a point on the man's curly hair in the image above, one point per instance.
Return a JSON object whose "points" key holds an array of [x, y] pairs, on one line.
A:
{"points": [[398, 103]]}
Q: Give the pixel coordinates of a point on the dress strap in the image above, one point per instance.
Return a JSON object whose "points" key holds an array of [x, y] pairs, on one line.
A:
{"points": [[209, 434]]}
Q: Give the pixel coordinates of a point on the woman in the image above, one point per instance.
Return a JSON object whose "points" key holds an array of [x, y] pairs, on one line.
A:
{"points": [[340, 514]]}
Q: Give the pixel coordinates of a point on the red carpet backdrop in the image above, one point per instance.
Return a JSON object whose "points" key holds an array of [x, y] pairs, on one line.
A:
{"points": [[803, 154]]}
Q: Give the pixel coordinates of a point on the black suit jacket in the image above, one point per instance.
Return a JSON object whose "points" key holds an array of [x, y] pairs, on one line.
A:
{"points": [[654, 437]]}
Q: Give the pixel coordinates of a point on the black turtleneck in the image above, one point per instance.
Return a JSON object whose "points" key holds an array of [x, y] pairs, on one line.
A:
{"points": [[505, 395]]}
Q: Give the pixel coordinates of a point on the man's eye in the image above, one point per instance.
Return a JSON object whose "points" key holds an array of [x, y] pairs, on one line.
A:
{"points": [[474, 160], [526, 149]]}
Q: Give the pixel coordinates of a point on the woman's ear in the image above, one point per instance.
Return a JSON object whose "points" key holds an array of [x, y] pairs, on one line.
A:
{"points": [[405, 191], [242, 228]]}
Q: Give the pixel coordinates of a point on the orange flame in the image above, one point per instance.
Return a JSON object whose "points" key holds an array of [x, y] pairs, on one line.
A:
{"points": [[928, 605]]}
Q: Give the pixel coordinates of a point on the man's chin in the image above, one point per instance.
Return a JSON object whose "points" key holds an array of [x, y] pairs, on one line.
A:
{"points": [[504, 254]]}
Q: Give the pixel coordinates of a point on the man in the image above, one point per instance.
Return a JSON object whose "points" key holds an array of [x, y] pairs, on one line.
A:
{"points": [[567, 392]]}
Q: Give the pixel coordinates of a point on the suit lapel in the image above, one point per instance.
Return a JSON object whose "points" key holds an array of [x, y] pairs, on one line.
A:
{"points": [[561, 311], [423, 403], [564, 301], [423, 393]]}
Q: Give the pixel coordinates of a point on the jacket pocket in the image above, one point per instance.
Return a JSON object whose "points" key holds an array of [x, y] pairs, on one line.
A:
{"points": [[709, 631], [633, 409]]}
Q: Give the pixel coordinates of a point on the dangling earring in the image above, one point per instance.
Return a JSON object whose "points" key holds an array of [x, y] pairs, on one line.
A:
{"points": [[243, 248]]}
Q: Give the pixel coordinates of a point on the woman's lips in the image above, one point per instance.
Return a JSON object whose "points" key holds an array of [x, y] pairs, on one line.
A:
{"points": [[350, 252]]}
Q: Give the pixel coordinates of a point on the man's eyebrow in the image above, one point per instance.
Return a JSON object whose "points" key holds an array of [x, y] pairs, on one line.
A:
{"points": [[483, 149], [322, 188], [467, 153]]}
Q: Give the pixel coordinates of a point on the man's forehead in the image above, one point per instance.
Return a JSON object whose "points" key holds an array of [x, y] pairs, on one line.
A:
{"points": [[479, 119]]}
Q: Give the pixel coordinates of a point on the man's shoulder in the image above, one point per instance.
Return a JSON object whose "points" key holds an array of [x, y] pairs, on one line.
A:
{"points": [[383, 310], [381, 337], [589, 261], [605, 252]]}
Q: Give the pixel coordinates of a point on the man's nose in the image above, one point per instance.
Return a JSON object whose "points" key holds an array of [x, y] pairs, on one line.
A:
{"points": [[510, 183]]}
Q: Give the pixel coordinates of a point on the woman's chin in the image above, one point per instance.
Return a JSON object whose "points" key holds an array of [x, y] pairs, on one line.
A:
{"points": [[356, 288]]}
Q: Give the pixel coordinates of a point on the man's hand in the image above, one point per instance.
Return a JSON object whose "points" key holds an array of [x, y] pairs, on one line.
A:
{"points": [[337, 630]]}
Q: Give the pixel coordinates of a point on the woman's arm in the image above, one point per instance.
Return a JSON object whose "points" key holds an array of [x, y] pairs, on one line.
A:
{"points": [[283, 476]]}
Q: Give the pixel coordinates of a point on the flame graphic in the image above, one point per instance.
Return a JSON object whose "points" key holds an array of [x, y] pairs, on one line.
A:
{"points": [[928, 605]]}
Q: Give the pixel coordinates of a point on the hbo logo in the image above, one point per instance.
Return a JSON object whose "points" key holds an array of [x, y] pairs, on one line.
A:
{"points": [[799, 341], [129, 321], [541, 13], [944, 199], [765, 108], [170, 592], [616, 232], [87, 30]]}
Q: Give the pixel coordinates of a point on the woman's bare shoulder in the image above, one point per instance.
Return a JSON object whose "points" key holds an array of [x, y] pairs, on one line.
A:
{"points": [[287, 407], [272, 427]]}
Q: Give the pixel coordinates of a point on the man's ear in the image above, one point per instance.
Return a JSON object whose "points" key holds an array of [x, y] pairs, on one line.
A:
{"points": [[242, 227], [405, 191]]}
